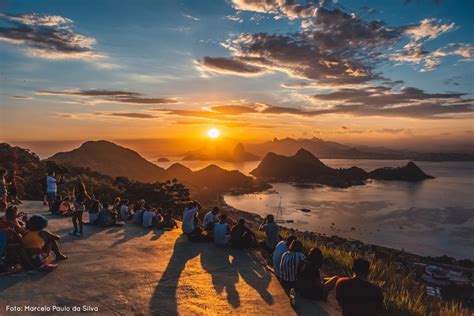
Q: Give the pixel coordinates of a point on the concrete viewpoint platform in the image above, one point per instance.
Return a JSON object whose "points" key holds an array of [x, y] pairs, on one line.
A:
{"points": [[134, 271]]}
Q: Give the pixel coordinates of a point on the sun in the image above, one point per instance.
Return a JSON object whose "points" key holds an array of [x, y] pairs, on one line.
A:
{"points": [[213, 133]]}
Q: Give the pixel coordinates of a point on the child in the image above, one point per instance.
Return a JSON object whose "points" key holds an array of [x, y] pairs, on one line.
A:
{"points": [[39, 242], [80, 198]]}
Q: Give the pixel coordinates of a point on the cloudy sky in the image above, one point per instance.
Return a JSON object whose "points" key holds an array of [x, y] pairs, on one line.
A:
{"points": [[356, 71]]}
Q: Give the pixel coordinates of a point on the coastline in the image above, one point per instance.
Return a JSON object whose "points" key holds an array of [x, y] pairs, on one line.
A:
{"points": [[436, 274]]}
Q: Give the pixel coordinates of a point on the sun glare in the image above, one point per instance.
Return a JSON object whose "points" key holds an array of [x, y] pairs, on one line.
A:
{"points": [[213, 133]]}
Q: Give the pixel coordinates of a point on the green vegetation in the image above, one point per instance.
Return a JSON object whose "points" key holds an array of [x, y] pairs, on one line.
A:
{"points": [[30, 172], [403, 295]]}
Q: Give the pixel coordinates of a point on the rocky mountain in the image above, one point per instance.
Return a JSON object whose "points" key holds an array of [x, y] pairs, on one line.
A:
{"points": [[238, 154], [112, 160], [328, 149], [305, 167], [410, 172]]}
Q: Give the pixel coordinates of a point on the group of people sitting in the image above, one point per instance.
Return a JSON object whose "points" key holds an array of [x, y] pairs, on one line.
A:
{"points": [[8, 190], [301, 273], [25, 243], [215, 228], [105, 215], [297, 272]]}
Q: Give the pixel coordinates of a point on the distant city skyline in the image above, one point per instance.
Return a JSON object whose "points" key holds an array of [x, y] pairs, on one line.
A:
{"points": [[368, 72]]}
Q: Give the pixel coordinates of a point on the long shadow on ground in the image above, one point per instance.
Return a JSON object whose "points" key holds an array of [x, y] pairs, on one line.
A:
{"points": [[217, 262]]}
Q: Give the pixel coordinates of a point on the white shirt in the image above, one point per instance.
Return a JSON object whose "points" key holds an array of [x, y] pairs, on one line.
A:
{"points": [[220, 234], [148, 219], [208, 218], [280, 249], [51, 184], [188, 220]]}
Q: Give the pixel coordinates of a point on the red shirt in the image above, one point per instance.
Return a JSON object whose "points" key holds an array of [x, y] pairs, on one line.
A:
{"points": [[358, 297]]}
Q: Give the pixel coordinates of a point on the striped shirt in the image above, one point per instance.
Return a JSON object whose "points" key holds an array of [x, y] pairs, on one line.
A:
{"points": [[289, 265]]}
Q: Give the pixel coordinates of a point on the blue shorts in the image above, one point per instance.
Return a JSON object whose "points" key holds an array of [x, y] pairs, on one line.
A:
{"points": [[51, 196]]}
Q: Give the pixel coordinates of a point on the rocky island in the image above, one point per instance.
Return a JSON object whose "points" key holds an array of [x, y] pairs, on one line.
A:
{"points": [[305, 167]]}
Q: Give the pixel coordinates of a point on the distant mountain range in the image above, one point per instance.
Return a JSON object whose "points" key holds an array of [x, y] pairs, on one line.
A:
{"points": [[238, 154], [305, 167], [114, 160], [328, 149]]}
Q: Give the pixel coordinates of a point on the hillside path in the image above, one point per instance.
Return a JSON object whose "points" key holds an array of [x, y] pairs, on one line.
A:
{"points": [[133, 271]]}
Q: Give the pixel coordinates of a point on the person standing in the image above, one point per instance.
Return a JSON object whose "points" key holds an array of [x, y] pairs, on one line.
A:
{"points": [[3, 190], [356, 295], [13, 190], [80, 198], [52, 187]]}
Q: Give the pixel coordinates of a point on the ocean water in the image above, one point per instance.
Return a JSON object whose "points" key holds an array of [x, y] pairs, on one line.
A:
{"points": [[433, 217]]}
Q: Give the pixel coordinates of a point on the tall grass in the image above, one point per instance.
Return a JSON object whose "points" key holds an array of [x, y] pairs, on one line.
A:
{"points": [[402, 294]]}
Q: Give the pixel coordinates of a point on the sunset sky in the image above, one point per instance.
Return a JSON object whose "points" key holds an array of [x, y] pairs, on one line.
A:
{"points": [[367, 72]]}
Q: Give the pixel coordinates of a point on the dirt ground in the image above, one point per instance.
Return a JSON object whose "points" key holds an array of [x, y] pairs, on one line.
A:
{"points": [[134, 271]]}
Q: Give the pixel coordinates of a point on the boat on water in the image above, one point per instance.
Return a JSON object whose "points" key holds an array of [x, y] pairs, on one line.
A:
{"points": [[306, 210]]}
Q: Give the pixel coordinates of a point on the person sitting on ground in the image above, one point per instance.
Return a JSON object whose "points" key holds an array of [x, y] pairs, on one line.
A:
{"points": [[106, 216], [168, 221], [190, 226], [221, 231], [148, 217], [158, 221], [356, 295], [65, 207], [124, 212], [39, 242], [138, 214], [272, 234], [13, 230], [94, 211], [289, 264], [309, 282], [241, 236], [210, 219], [280, 249], [55, 206]]}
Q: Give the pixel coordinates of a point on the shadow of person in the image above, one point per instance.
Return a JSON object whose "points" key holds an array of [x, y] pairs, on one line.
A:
{"points": [[164, 298], [216, 261], [253, 273], [127, 233]]}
